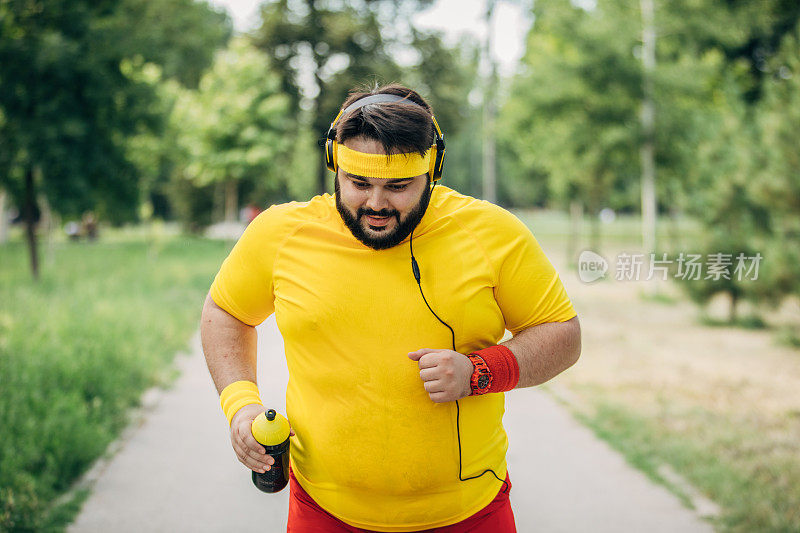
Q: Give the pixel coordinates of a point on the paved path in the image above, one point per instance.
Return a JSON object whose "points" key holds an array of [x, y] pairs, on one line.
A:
{"points": [[177, 472]]}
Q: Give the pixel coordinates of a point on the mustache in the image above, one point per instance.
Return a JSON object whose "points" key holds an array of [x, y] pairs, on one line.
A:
{"points": [[382, 213]]}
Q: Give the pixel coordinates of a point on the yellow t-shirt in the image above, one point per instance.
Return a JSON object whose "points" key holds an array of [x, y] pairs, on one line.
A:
{"points": [[370, 446]]}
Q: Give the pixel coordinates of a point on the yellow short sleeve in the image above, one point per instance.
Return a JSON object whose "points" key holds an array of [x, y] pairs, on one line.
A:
{"points": [[243, 285], [528, 289]]}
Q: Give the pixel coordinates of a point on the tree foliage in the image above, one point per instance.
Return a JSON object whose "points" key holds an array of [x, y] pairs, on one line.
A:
{"points": [[323, 49], [572, 112], [234, 130], [746, 180], [777, 186], [70, 96], [726, 93]]}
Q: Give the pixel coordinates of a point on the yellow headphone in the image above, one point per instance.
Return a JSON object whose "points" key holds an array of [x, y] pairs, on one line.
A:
{"points": [[437, 154]]}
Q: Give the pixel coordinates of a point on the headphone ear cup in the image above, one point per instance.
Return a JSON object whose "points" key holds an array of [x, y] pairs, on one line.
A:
{"points": [[432, 165], [437, 163], [330, 155]]}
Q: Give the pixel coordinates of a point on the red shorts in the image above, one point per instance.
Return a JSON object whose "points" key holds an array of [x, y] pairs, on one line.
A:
{"points": [[305, 516]]}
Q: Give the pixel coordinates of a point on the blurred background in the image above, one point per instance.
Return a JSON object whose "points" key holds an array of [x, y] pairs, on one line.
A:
{"points": [[138, 138]]}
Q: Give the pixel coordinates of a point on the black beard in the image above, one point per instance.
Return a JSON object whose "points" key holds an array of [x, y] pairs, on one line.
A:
{"points": [[402, 229]]}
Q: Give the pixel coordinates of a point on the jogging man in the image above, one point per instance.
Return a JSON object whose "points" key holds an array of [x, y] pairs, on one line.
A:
{"points": [[391, 296]]}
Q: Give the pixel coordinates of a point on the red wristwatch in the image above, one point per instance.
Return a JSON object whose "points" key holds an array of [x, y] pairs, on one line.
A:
{"points": [[481, 378]]}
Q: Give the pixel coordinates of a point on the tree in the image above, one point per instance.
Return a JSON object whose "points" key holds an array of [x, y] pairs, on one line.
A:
{"points": [[335, 46], [447, 77], [571, 113], [68, 106], [744, 187], [735, 222], [181, 36], [234, 128], [777, 185]]}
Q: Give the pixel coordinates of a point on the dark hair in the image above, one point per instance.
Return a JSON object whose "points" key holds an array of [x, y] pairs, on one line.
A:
{"points": [[397, 126]]}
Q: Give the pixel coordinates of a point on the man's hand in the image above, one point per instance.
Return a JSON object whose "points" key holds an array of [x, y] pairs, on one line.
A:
{"points": [[248, 450], [445, 374]]}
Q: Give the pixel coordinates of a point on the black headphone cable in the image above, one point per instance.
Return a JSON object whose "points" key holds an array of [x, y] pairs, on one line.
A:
{"points": [[417, 276]]}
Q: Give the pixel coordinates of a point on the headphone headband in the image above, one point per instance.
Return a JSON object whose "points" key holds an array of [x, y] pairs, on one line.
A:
{"points": [[377, 99], [437, 162]]}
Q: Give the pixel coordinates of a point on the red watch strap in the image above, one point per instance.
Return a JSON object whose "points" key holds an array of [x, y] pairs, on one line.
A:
{"points": [[481, 379], [503, 365]]}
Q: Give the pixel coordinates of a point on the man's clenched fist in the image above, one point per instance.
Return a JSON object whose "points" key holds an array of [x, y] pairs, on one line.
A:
{"points": [[445, 373]]}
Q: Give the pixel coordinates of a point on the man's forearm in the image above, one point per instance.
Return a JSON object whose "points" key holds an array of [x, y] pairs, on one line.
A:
{"points": [[229, 346], [545, 350]]}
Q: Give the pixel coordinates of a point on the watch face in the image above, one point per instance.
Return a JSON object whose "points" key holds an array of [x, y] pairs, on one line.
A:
{"points": [[483, 381]]}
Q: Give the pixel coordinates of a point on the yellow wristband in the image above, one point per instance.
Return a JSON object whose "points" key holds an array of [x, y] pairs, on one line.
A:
{"points": [[237, 395]]}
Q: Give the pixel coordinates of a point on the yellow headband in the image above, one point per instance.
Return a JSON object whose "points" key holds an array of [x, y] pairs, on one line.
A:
{"points": [[406, 165]]}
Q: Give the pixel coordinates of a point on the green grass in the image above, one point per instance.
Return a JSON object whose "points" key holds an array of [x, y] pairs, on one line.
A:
{"points": [[624, 233], [788, 336], [754, 479], [78, 348], [744, 322], [658, 297]]}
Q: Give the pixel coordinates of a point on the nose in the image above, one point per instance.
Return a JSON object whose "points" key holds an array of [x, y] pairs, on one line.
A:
{"points": [[377, 199]]}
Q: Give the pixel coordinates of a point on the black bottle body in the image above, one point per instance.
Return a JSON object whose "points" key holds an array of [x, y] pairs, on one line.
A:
{"points": [[276, 478]]}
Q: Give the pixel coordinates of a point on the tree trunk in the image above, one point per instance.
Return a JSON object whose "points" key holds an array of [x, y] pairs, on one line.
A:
{"points": [[322, 167], [575, 218], [595, 204], [647, 150], [231, 201], [489, 112], [3, 217], [218, 205], [732, 310], [594, 238], [29, 214], [322, 172], [47, 225], [674, 227]]}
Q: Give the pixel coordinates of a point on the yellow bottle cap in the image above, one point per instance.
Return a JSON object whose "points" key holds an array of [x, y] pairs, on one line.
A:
{"points": [[270, 428]]}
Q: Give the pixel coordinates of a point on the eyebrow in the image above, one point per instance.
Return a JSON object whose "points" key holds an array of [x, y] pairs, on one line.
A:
{"points": [[388, 180]]}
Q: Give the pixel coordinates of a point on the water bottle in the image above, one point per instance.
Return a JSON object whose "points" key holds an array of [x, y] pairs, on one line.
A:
{"points": [[271, 430]]}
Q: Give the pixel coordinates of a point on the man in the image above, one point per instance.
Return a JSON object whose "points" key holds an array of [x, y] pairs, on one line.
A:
{"points": [[391, 296]]}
